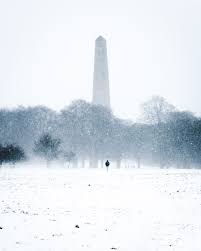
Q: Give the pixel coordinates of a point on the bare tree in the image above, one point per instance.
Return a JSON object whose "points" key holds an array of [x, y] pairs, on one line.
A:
{"points": [[156, 110], [47, 147], [68, 157]]}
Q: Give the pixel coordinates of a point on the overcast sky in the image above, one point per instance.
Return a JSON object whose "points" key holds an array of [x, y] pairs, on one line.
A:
{"points": [[47, 52]]}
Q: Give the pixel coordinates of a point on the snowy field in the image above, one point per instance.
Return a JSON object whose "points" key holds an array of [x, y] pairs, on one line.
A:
{"points": [[126, 209]]}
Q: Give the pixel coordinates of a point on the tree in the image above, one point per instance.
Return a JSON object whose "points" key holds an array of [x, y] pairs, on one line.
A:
{"points": [[24, 125], [156, 110], [68, 157], [177, 116], [136, 140], [11, 153], [116, 142], [47, 147], [184, 138], [87, 130]]}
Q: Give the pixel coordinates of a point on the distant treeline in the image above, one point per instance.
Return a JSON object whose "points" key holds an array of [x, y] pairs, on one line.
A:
{"points": [[164, 136]]}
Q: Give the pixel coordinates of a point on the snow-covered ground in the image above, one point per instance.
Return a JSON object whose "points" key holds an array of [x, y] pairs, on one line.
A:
{"points": [[126, 209]]}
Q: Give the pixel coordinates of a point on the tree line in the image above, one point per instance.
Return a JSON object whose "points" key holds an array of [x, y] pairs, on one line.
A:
{"points": [[163, 136]]}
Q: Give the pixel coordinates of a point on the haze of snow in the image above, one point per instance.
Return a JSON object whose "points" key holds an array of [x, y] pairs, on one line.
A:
{"points": [[124, 209]]}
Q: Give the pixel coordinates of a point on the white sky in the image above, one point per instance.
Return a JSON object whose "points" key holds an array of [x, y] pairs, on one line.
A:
{"points": [[47, 52]]}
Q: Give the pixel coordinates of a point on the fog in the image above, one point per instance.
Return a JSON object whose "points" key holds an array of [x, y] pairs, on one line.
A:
{"points": [[83, 132], [47, 52]]}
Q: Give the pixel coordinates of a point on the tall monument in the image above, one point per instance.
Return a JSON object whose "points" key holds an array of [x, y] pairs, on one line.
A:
{"points": [[101, 92]]}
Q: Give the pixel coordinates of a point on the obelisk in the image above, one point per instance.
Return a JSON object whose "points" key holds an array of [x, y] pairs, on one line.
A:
{"points": [[101, 92]]}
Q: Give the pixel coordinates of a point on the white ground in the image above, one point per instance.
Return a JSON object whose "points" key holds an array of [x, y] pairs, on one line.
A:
{"points": [[126, 209]]}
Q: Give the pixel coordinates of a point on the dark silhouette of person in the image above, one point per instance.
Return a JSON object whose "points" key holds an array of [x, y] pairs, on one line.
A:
{"points": [[107, 163]]}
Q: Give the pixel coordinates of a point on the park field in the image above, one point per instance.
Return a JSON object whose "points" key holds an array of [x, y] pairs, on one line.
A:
{"points": [[89, 209]]}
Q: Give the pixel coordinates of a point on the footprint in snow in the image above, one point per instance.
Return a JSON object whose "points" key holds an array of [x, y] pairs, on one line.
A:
{"points": [[57, 235]]}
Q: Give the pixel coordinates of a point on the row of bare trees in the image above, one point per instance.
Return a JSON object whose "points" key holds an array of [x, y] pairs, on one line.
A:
{"points": [[163, 135]]}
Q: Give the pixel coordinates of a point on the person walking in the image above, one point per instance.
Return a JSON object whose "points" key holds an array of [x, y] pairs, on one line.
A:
{"points": [[107, 163]]}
